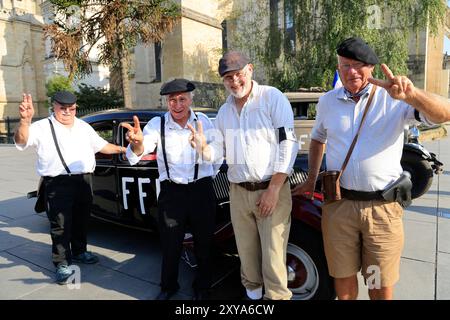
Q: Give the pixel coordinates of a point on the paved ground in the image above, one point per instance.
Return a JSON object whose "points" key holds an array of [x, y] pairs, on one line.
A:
{"points": [[129, 265]]}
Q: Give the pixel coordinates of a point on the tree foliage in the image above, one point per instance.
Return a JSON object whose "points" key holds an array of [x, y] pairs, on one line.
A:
{"points": [[387, 25], [94, 97], [58, 83], [110, 26]]}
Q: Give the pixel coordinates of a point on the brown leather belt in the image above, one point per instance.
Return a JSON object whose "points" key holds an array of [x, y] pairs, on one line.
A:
{"points": [[254, 186]]}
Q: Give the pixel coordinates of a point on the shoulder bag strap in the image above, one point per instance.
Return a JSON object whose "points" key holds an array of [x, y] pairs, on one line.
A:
{"points": [[57, 147], [352, 146]]}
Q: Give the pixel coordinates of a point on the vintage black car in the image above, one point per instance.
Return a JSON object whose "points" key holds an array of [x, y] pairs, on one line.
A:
{"points": [[127, 195]]}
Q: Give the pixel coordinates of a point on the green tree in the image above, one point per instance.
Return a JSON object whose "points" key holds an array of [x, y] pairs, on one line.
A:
{"points": [[307, 57], [93, 97], [111, 26], [58, 83]]}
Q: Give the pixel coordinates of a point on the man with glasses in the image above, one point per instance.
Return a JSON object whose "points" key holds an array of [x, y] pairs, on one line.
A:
{"points": [[256, 128], [187, 196], [66, 177], [364, 231]]}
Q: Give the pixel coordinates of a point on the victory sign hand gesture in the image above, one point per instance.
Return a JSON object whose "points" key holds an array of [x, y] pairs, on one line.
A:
{"points": [[134, 134], [197, 137], [26, 109], [398, 87]]}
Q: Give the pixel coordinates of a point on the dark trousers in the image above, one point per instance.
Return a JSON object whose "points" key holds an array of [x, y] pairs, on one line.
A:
{"points": [[180, 205], [69, 201]]}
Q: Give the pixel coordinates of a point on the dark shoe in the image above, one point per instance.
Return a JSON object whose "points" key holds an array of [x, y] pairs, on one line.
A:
{"points": [[165, 295], [201, 295], [86, 258], [63, 272]]}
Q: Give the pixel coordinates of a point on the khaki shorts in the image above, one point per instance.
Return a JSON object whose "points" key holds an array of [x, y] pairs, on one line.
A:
{"points": [[366, 236]]}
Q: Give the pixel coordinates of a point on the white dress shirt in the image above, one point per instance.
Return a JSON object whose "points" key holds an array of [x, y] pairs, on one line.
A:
{"points": [[375, 161], [78, 146], [181, 157], [252, 149]]}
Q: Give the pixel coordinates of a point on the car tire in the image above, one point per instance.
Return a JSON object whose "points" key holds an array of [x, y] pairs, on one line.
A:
{"points": [[308, 277], [420, 170]]}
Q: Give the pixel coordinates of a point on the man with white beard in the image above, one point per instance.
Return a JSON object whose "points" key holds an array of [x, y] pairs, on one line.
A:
{"points": [[255, 127]]}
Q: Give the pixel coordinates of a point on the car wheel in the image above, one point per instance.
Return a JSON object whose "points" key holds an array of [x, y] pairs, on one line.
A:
{"points": [[420, 170], [308, 277]]}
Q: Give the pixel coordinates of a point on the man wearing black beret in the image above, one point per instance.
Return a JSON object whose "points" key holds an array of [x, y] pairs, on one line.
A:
{"points": [[187, 195], [363, 231], [66, 148]]}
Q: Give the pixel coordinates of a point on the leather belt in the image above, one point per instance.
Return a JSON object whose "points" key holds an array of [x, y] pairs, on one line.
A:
{"points": [[198, 181], [361, 195], [254, 186]]}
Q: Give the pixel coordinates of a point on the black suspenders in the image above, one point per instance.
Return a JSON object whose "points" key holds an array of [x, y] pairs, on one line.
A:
{"points": [[163, 145]]}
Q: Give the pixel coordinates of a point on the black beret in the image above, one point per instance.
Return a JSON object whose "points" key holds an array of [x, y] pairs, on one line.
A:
{"points": [[176, 85], [357, 49], [232, 61], [64, 97]]}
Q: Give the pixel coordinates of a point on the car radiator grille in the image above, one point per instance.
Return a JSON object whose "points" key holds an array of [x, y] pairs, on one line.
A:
{"points": [[222, 185], [298, 177]]}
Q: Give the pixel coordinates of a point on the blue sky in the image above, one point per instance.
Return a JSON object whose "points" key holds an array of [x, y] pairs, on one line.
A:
{"points": [[446, 40]]}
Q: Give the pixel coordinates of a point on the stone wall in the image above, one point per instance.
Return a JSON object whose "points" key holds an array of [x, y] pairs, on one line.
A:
{"points": [[21, 57]]}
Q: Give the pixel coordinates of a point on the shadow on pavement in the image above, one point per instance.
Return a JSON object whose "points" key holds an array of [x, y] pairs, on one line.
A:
{"points": [[129, 266]]}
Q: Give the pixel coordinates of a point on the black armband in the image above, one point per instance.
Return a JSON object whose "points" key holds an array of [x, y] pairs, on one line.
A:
{"points": [[281, 134], [417, 115]]}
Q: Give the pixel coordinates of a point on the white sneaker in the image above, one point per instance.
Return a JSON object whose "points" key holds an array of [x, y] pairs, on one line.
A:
{"points": [[254, 294]]}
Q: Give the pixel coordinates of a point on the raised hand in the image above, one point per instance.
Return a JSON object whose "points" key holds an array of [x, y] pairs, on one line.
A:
{"points": [[398, 87], [134, 134], [26, 109], [197, 138]]}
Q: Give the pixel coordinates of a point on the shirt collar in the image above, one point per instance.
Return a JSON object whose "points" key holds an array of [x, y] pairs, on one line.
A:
{"points": [[344, 94], [56, 122]]}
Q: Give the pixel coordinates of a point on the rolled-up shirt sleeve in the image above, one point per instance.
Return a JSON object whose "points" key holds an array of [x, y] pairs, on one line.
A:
{"points": [[214, 139], [318, 132], [32, 137], [283, 122], [151, 138], [97, 142], [415, 117]]}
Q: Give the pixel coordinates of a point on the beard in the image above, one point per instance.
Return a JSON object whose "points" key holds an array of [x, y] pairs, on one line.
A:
{"points": [[242, 92]]}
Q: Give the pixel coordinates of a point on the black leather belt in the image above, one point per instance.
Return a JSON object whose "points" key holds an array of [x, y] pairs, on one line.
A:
{"points": [[254, 186], [198, 181], [361, 195]]}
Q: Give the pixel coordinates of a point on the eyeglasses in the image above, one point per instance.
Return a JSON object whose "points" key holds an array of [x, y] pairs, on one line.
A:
{"points": [[239, 75], [356, 66], [65, 108]]}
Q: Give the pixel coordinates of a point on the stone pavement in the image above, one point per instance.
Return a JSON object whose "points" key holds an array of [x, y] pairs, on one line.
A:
{"points": [[129, 265]]}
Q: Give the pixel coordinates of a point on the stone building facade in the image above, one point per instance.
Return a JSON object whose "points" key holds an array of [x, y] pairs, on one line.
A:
{"points": [[21, 54]]}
